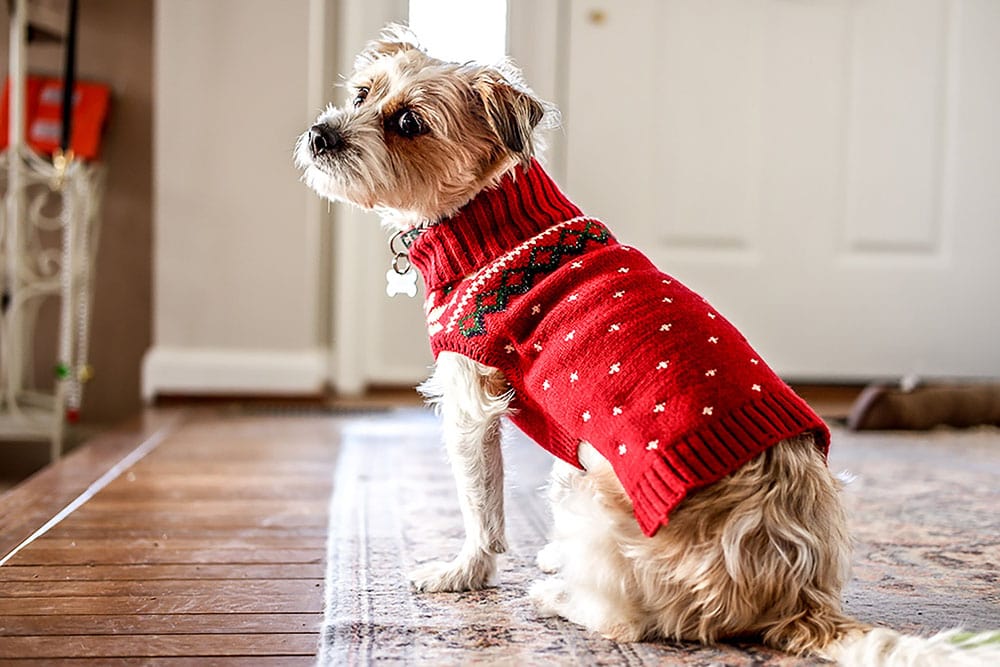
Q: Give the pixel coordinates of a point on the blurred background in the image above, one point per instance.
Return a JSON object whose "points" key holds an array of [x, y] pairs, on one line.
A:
{"points": [[825, 172]]}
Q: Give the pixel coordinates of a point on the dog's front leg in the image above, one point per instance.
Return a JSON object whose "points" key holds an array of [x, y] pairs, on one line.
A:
{"points": [[471, 399]]}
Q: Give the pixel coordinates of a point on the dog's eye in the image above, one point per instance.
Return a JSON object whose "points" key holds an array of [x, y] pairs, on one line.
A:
{"points": [[360, 97], [409, 124]]}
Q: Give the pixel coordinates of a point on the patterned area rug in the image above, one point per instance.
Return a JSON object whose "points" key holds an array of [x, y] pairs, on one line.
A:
{"points": [[923, 511]]}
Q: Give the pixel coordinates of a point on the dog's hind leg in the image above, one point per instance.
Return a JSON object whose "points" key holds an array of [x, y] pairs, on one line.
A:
{"points": [[595, 586], [471, 399], [550, 557]]}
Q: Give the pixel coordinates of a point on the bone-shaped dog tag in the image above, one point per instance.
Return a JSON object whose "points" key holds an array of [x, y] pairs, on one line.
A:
{"points": [[401, 283]]}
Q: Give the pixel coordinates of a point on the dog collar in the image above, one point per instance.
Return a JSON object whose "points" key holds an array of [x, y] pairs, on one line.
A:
{"points": [[523, 204]]}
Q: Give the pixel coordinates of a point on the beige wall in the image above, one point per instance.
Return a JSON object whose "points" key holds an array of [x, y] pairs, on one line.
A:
{"points": [[114, 47], [240, 302]]}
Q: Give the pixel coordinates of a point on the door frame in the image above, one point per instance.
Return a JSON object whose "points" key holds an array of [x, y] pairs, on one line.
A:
{"points": [[536, 40]]}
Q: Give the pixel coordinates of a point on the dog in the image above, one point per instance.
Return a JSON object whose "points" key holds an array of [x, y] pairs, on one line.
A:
{"points": [[691, 496]]}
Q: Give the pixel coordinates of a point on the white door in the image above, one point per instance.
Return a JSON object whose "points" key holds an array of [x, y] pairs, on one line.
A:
{"points": [[826, 173], [378, 340]]}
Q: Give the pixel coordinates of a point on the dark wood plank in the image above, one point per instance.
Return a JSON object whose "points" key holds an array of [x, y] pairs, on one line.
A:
{"points": [[236, 603], [170, 521], [222, 450], [38, 555], [198, 486], [265, 589], [72, 532], [200, 661], [160, 624], [302, 470], [100, 646], [221, 541], [213, 506], [147, 572]]}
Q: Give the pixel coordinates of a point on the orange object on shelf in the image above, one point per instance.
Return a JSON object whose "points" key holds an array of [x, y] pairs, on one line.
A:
{"points": [[43, 115]]}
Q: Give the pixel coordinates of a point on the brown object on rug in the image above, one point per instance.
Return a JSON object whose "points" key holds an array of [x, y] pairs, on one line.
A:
{"points": [[923, 510], [922, 408]]}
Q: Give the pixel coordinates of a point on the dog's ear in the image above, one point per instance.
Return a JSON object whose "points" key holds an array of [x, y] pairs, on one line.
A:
{"points": [[393, 39], [512, 113]]}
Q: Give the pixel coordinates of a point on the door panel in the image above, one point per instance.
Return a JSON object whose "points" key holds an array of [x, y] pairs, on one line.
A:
{"points": [[817, 170], [896, 95]]}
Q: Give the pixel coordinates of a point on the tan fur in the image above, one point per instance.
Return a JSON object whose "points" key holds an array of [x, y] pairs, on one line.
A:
{"points": [[764, 552], [739, 558], [481, 118]]}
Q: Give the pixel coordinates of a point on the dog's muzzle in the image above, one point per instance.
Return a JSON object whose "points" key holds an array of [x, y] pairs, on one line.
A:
{"points": [[324, 140]]}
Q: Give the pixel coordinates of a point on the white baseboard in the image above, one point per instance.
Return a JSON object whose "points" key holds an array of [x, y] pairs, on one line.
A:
{"points": [[399, 376], [207, 371]]}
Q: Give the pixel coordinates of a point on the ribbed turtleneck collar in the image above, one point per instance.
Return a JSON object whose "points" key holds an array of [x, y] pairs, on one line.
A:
{"points": [[523, 204]]}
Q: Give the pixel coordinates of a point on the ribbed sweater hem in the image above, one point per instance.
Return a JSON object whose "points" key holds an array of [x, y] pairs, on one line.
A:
{"points": [[706, 455]]}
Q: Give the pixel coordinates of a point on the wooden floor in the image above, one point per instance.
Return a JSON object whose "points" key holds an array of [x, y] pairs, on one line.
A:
{"points": [[181, 536], [191, 534]]}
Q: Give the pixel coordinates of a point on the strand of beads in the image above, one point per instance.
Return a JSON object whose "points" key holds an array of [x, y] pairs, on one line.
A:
{"points": [[84, 372], [63, 369], [69, 384]]}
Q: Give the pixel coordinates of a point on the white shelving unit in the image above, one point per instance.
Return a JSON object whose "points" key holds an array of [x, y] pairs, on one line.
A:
{"points": [[49, 228]]}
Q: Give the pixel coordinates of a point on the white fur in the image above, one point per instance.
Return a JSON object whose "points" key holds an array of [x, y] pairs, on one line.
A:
{"points": [[463, 392], [888, 648], [595, 586]]}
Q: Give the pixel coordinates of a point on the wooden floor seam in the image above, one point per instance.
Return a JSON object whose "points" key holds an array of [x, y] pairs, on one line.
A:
{"points": [[133, 457], [195, 536]]}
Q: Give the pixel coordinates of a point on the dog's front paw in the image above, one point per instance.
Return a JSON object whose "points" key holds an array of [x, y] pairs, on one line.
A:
{"points": [[549, 597], [453, 576], [549, 558]]}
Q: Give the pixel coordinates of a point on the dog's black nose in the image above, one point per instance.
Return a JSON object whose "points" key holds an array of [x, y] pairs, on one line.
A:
{"points": [[324, 139]]}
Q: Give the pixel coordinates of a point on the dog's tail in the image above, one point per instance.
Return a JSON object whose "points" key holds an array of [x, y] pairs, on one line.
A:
{"points": [[853, 644], [954, 648]]}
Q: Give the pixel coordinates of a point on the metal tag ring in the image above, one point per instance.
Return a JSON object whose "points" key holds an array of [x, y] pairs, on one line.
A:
{"points": [[398, 236], [405, 261]]}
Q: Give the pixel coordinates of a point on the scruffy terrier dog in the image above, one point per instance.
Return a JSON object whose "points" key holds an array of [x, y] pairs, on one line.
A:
{"points": [[691, 497]]}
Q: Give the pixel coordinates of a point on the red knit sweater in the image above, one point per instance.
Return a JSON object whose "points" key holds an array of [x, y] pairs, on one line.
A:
{"points": [[599, 345]]}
